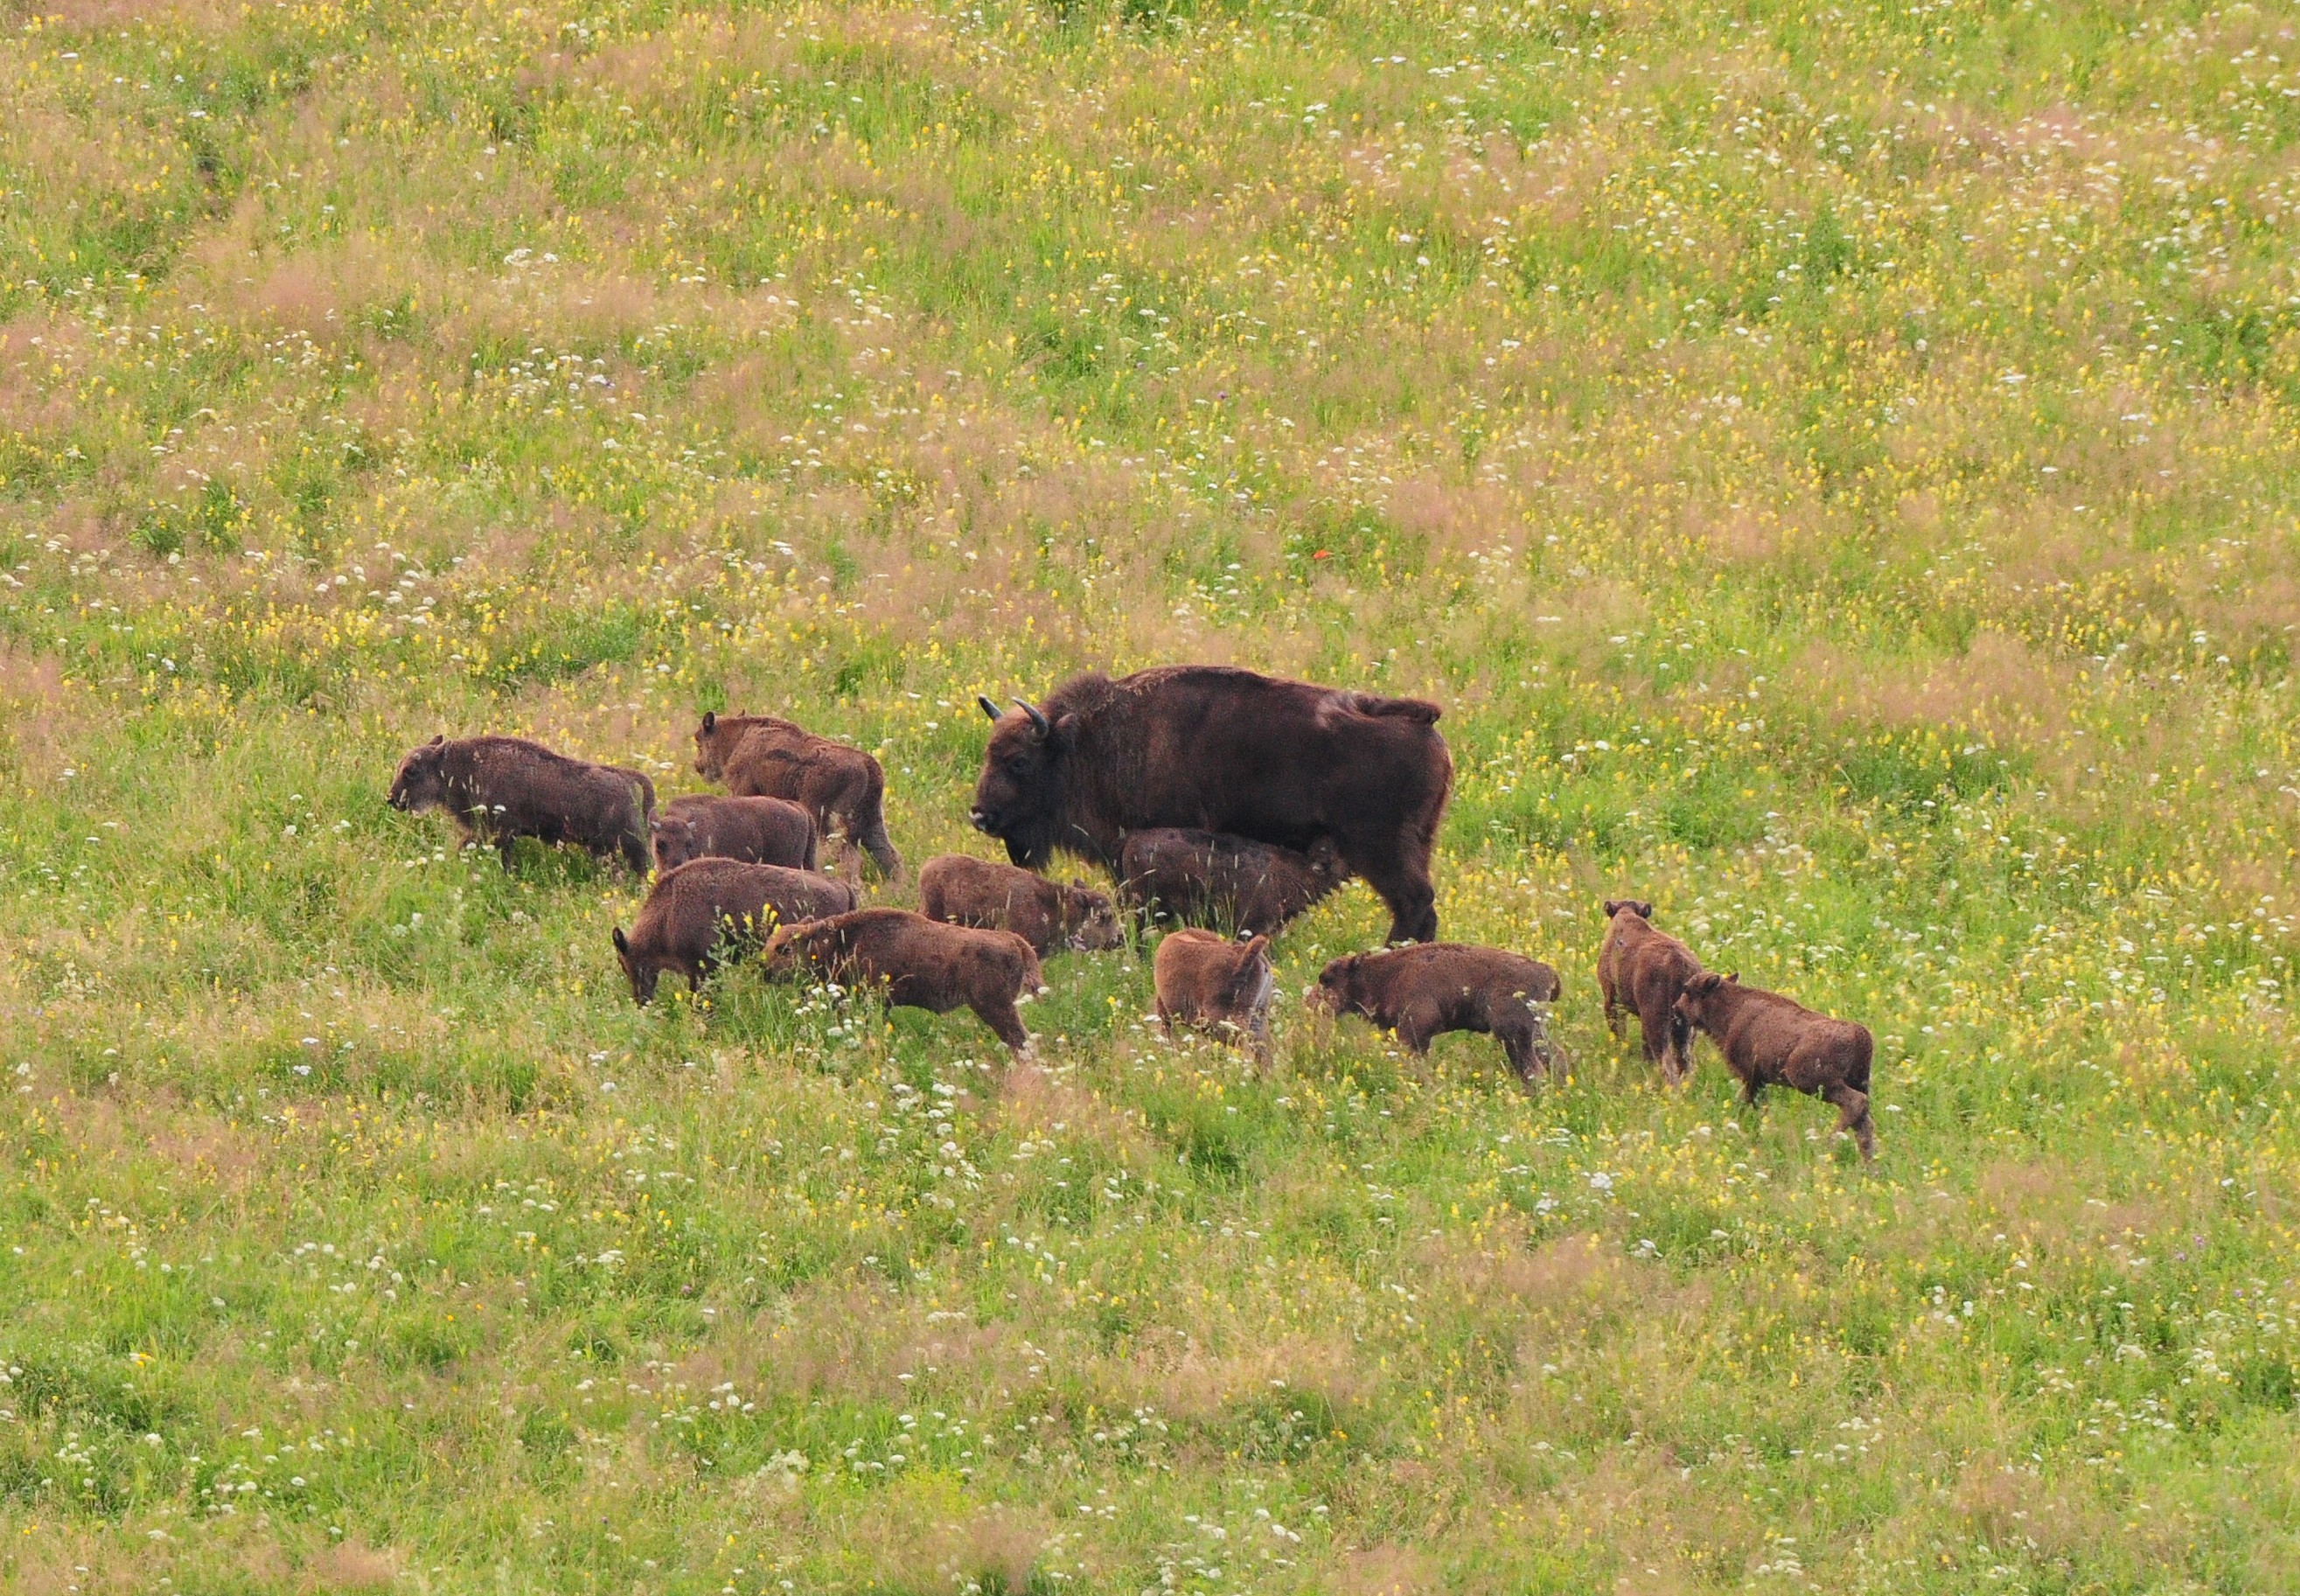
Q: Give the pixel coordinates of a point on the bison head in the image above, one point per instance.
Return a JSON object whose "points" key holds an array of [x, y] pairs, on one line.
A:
{"points": [[711, 748], [1091, 919], [1332, 994], [642, 976], [674, 844], [421, 781], [1019, 799], [1690, 1012]]}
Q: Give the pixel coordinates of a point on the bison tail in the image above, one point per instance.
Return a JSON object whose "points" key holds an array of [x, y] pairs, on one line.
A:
{"points": [[1398, 709], [646, 793]]}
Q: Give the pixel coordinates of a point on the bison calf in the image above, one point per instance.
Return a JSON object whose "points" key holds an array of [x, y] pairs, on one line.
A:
{"points": [[694, 908], [1646, 970], [1769, 1040], [1207, 875], [842, 788], [919, 963], [961, 891], [500, 789], [754, 830], [1206, 980], [1423, 990]]}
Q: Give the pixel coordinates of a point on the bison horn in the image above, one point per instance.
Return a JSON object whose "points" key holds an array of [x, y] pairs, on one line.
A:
{"points": [[988, 708], [1037, 716]]}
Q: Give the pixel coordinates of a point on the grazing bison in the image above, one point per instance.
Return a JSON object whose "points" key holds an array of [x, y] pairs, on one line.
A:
{"points": [[500, 789], [1197, 877], [1206, 980], [1420, 992], [920, 963], [842, 788], [960, 891], [693, 908], [754, 830], [1229, 751], [1769, 1040], [1646, 970]]}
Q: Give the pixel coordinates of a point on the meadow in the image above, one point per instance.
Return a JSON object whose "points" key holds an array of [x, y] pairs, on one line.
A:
{"points": [[1836, 463]]}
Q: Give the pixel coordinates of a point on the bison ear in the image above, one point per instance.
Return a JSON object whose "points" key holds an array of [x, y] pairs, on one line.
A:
{"points": [[1735, 978], [1645, 909], [710, 720], [1612, 907], [437, 740], [1065, 732], [1258, 948], [622, 944], [988, 708]]}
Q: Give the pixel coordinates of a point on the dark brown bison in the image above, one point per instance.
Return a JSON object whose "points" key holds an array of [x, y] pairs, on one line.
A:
{"points": [[1421, 992], [1206, 980], [754, 830], [1224, 750], [500, 789], [1205, 877], [842, 788], [918, 963], [707, 902], [1645, 970], [960, 891], [1769, 1040]]}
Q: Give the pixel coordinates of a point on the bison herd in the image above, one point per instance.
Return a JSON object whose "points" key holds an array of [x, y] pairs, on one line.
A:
{"points": [[1211, 795]]}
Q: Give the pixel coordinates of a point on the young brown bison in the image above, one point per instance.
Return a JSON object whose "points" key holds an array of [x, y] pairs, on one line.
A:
{"points": [[1420, 992], [960, 891], [1769, 1040], [919, 963], [1646, 970], [755, 830], [696, 907], [1206, 980], [500, 789], [1201, 877], [842, 788]]}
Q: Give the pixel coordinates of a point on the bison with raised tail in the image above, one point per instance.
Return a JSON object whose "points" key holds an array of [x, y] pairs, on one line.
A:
{"points": [[1224, 750]]}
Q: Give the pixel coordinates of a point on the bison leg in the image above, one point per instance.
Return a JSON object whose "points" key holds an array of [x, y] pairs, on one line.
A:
{"points": [[881, 848], [638, 852], [1006, 1022], [506, 847], [1404, 885], [1415, 1027], [1853, 1115], [1520, 1045]]}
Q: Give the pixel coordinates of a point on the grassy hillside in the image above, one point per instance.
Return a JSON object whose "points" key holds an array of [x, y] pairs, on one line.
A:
{"points": [[1835, 462]]}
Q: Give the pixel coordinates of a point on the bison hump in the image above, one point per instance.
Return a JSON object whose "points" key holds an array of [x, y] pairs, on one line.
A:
{"points": [[1419, 709]]}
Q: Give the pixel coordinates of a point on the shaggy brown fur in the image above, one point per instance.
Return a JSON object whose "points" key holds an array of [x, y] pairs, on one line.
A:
{"points": [[1206, 980], [1421, 992], [1206, 745], [1202, 877], [500, 789], [842, 788], [919, 964], [755, 830], [697, 907], [1646, 970], [1769, 1040], [960, 890]]}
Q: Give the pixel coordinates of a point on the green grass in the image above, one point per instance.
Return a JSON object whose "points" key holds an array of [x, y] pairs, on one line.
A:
{"points": [[1836, 465]]}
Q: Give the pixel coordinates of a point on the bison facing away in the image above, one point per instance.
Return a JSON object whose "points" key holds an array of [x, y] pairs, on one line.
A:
{"points": [[1229, 751], [1646, 970], [960, 891], [918, 963], [842, 788], [697, 908], [754, 830], [1206, 980], [1199, 877], [500, 789], [1769, 1040], [1421, 992]]}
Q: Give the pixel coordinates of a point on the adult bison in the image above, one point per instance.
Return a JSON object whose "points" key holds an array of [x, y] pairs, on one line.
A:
{"points": [[1230, 751]]}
